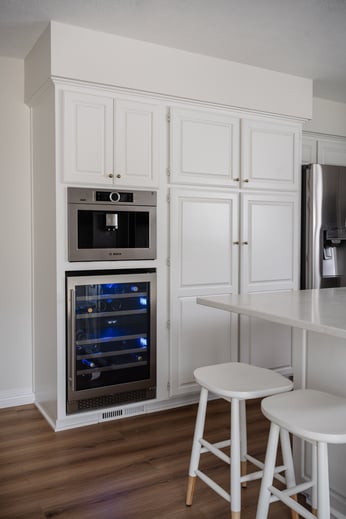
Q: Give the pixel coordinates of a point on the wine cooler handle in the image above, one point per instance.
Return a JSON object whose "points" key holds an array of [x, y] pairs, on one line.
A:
{"points": [[72, 322]]}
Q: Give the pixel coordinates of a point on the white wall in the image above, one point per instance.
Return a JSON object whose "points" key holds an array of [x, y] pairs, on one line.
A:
{"points": [[88, 55], [328, 117], [15, 236]]}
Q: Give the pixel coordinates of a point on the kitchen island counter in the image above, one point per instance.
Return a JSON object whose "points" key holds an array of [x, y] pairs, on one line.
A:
{"points": [[318, 321], [322, 311]]}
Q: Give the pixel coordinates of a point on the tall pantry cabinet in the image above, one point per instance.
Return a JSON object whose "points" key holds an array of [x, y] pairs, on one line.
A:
{"points": [[234, 215], [89, 136]]}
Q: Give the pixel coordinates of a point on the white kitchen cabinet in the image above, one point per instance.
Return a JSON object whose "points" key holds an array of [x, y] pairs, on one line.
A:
{"points": [[207, 240], [109, 140], [264, 253], [309, 150], [204, 147], [269, 259], [332, 152], [320, 149], [270, 154], [204, 260], [265, 344]]}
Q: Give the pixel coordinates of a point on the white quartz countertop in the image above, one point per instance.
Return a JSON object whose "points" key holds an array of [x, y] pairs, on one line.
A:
{"points": [[319, 310]]}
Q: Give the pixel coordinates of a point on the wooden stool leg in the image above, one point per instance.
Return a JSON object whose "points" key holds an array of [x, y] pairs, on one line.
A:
{"points": [[196, 446], [268, 472], [191, 482], [243, 441], [288, 462], [322, 480], [235, 459]]}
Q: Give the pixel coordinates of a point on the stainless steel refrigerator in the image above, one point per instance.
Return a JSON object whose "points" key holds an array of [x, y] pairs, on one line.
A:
{"points": [[323, 230]]}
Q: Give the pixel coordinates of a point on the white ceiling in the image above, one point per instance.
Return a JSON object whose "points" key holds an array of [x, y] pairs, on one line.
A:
{"points": [[301, 37]]}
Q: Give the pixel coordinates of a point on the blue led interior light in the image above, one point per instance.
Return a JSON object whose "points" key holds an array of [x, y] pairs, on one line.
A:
{"points": [[143, 301], [88, 363]]}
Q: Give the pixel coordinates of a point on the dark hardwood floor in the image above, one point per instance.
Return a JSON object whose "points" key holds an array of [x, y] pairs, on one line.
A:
{"points": [[123, 469]]}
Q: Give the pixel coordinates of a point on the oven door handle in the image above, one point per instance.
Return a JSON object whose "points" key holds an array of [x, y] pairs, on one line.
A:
{"points": [[72, 317]]}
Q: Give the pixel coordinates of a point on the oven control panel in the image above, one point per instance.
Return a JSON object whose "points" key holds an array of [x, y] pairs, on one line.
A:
{"points": [[113, 196]]}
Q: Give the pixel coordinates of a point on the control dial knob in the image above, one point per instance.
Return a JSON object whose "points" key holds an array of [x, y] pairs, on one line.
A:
{"points": [[114, 197]]}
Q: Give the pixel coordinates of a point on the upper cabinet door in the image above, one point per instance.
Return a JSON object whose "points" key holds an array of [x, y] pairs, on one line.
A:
{"points": [[137, 144], [109, 140], [87, 137], [204, 148], [331, 152], [270, 155]]}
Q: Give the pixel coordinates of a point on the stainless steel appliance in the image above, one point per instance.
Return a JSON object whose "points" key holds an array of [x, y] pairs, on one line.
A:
{"points": [[111, 338], [323, 246], [111, 225]]}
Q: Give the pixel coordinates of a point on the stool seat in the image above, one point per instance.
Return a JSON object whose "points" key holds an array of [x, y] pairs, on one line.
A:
{"points": [[318, 418], [240, 380], [235, 382], [310, 414]]}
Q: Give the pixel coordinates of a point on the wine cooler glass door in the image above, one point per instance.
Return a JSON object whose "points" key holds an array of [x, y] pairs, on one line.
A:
{"points": [[112, 334]]}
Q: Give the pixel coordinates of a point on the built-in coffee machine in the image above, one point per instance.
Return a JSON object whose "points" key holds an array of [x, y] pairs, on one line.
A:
{"points": [[108, 225]]}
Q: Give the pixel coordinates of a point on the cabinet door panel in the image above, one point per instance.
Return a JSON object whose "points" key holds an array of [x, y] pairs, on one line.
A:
{"points": [[206, 245], [309, 150], [331, 152], [87, 132], [136, 143], [204, 260], [201, 336], [266, 344], [269, 252], [204, 147], [270, 155], [204, 227]]}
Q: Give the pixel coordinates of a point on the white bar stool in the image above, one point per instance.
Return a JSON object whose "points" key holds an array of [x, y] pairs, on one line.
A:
{"points": [[314, 416], [235, 382]]}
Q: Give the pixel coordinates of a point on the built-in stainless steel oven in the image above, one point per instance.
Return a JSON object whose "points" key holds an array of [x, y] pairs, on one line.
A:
{"points": [[111, 225], [111, 338]]}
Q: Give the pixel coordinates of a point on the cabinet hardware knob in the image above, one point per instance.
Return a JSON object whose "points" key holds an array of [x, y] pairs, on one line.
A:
{"points": [[110, 175], [236, 243], [246, 180], [245, 243], [236, 179], [118, 175]]}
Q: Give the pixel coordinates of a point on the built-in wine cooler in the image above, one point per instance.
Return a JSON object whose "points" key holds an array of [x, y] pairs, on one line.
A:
{"points": [[111, 338]]}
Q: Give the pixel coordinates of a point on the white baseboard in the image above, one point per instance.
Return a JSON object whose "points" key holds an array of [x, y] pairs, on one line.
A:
{"points": [[14, 397], [116, 413]]}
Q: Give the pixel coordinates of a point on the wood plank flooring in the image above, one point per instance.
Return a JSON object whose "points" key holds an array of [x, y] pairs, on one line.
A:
{"points": [[122, 469]]}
